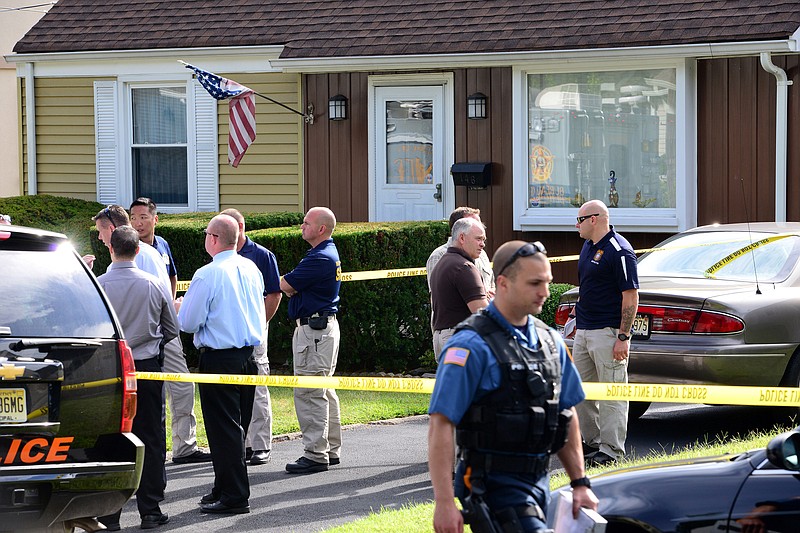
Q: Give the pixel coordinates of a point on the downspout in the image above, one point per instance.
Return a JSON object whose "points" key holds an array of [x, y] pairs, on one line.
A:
{"points": [[30, 124], [781, 119]]}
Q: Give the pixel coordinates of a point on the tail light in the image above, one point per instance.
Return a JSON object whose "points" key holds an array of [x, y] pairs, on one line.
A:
{"points": [[681, 320], [563, 312], [128, 386]]}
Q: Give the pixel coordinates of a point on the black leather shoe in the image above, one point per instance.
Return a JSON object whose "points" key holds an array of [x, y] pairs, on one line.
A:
{"points": [[112, 527], [588, 450], [248, 453], [220, 508], [305, 466], [209, 498], [149, 521], [260, 457], [333, 461], [197, 456]]}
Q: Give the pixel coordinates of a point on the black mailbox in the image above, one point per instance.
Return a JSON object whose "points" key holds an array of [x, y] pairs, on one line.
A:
{"points": [[472, 175]]}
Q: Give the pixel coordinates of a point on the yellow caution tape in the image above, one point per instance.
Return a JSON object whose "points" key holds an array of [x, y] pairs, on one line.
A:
{"points": [[650, 392], [716, 267], [416, 385], [705, 394]]}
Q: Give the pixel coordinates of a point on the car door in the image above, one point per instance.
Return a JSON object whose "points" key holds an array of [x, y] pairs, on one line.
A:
{"points": [[769, 502]]}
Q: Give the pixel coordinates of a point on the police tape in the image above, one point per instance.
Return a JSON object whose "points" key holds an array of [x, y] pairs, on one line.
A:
{"points": [[703, 394], [649, 392], [380, 384]]}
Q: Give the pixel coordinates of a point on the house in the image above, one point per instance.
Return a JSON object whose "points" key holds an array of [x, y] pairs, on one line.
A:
{"points": [[16, 18], [676, 113]]}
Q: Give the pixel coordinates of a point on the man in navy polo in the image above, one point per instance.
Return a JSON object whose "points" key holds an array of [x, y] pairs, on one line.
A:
{"points": [[605, 312], [313, 291]]}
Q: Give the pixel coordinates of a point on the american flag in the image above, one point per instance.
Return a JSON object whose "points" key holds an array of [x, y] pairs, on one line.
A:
{"points": [[241, 113]]}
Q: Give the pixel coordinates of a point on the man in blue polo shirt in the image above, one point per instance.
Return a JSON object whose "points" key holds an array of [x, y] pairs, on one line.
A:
{"points": [[313, 291], [144, 218], [606, 308]]}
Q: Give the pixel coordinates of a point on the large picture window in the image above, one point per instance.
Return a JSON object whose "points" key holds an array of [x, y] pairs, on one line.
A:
{"points": [[624, 136], [159, 153], [602, 135]]}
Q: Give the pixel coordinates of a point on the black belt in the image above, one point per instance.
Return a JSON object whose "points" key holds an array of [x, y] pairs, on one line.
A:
{"points": [[492, 462], [206, 349], [304, 320]]}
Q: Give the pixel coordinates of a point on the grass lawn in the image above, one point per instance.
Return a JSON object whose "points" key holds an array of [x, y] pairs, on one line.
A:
{"points": [[357, 407], [419, 518]]}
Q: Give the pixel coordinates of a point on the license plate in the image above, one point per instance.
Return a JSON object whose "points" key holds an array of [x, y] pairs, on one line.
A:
{"points": [[12, 405], [641, 327]]}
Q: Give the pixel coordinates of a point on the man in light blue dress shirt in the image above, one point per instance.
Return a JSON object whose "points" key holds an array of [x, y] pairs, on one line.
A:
{"points": [[224, 308]]}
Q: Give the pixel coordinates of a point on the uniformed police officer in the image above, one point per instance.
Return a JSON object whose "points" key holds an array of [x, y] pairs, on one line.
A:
{"points": [[313, 291], [507, 386]]}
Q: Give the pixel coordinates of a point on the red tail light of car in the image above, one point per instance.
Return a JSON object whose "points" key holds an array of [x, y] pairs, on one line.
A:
{"points": [[129, 386], [681, 320], [563, 312]]}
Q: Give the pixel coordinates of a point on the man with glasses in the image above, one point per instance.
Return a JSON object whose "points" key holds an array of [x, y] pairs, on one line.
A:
{"points": [[144, 218], [457, 289], [607, 305], [508, 387], [224, 308]]}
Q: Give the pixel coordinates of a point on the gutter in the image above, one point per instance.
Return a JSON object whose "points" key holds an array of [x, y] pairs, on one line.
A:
{"points": [[781, 120], [30, 127]]}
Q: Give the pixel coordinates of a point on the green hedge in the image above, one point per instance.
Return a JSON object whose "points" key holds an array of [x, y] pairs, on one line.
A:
{"points": [[385, 323]]}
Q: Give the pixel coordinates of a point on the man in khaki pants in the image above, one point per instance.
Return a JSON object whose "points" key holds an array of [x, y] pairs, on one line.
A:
{"points": [[313, 291]]}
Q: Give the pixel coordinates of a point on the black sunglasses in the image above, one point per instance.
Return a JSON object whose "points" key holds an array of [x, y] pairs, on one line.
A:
{"points": [[209, 233], [527, 249], [107, 213], [584, 217]]}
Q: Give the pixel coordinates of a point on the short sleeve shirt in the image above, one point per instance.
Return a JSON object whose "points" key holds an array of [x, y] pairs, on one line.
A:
{"points": [[266, 263], [605, 270], [455, 282], [468, 370], [317, 279], [162, 247]]}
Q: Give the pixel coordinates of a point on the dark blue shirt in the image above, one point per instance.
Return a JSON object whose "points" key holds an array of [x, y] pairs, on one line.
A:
{"points": [[605, 270], [266, 263], [317, 280], [162, 247]]}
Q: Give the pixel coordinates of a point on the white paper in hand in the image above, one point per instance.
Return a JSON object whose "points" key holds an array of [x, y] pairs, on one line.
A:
{"points": [[588, 521], [569, 328]]}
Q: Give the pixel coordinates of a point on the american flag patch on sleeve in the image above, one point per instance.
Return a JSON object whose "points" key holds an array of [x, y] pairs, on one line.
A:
{"points": [[456, 356]]}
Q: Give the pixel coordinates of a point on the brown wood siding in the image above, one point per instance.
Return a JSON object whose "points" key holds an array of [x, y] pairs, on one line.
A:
{"points": [[736, 140]]}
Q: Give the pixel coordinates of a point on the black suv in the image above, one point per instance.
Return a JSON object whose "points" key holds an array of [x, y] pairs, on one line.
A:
{"points": [[67, 390]]}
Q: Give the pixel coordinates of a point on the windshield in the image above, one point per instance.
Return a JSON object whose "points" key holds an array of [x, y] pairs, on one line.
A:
{"points": [[737, 256], [47, 293]]}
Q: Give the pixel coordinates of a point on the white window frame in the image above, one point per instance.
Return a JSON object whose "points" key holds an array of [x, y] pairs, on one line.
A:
{"points": [[114, 138], [682, 217]]}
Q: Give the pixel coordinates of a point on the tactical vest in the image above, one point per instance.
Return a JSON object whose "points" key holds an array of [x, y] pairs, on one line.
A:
{"points": [[521, 416]]}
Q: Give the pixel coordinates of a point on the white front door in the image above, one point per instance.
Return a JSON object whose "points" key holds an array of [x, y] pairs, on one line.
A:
{"points": [[410, 153]]}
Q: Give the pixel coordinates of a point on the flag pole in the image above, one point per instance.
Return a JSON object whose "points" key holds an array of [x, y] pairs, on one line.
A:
{"points": [[308, 117]]}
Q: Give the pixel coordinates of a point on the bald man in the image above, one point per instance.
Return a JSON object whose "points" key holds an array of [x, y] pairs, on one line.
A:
{"points": [[606, 308], [313, 291], [224, 308]]}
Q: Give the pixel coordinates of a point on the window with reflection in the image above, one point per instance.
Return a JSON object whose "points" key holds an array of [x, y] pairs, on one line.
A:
{"points": [[607, 135], [409, 142]]}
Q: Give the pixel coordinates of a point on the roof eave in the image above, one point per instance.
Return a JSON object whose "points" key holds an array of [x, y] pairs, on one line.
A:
{"points": [[438, 61], [267, 52]]}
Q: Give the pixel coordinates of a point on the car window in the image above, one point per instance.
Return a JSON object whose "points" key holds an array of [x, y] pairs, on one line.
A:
{"points": [[724, 255], [48, 293]]}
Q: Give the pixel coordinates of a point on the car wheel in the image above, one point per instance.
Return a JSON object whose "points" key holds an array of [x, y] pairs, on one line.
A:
{"points": [[637, 409]]}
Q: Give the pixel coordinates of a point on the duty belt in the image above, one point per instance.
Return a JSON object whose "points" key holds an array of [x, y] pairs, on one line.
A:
{"points": [[303, 321], [494, 462]]}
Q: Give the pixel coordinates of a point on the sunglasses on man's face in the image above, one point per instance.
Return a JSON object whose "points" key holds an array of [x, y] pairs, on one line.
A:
{"points": [[525, 250], [584, 217]]}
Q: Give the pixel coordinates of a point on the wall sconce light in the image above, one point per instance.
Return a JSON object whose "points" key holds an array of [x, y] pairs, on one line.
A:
{"points": [[337, 107], [476, 106]]}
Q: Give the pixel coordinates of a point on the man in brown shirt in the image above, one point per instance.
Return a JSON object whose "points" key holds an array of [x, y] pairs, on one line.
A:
{"points": [[457, 289]]}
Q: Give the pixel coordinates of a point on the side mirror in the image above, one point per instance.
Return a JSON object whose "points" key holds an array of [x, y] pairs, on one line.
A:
{"points": [[782, 451]]}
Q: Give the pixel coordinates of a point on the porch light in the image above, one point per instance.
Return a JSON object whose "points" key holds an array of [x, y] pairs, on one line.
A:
{"points": [[337, 107], [476, 106]]}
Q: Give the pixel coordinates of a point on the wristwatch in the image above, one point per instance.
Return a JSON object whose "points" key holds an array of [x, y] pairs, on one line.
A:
{"points": [[581, 482], [623, 337]]}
